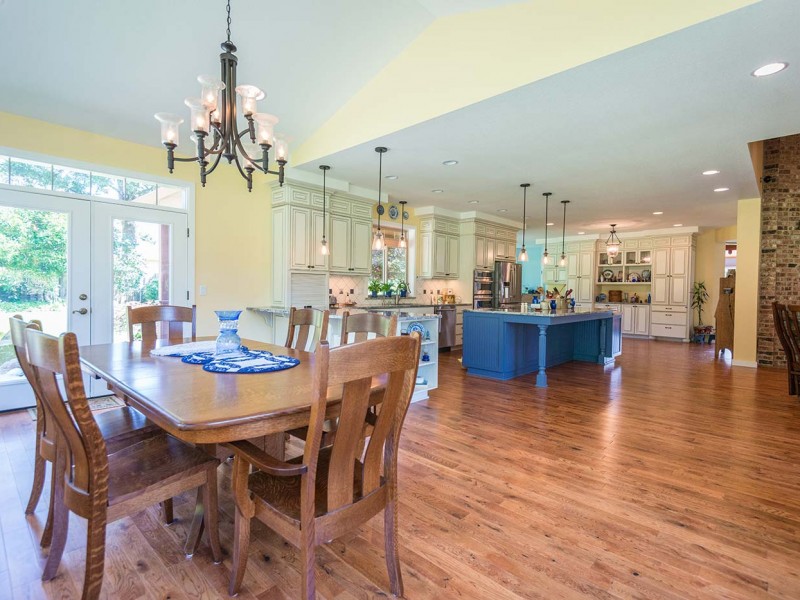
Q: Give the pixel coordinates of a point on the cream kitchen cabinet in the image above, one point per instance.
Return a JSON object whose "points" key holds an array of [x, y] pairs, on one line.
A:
{"points": [[493, 242], [636, 319], [673, 272], [671, 275], [306, 229], [350, 244], [439, 248], [580, 275]]}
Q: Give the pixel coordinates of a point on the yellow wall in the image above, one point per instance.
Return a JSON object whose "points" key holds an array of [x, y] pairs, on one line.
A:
{"points": [[232, 249], [748, 252], [710, 266], [464, 58]]}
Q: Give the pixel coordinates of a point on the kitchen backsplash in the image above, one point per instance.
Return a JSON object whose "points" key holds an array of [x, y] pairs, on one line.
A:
{"points": [[425, 291]]}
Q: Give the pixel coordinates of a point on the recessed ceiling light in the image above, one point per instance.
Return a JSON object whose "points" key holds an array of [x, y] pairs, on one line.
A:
{"points": [[769, 69], [474, 201], [450, 163], [502, 210], [581, 233], [659, 212], [678, 225], [391, 177], [711, 172], [550, 224], [437, 191], [721, 189]]}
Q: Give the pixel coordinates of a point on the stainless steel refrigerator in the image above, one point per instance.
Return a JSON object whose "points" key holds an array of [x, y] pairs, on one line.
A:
{"points": [[507, 287]]}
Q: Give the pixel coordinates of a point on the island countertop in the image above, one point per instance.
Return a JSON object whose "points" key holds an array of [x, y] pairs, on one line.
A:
{"points": [[549, 314]]}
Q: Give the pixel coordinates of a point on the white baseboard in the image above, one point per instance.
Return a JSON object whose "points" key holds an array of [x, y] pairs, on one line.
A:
{"points": [[744, 363]]}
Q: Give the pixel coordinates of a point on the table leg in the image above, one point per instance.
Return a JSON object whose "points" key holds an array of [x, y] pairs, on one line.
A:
{"points": [[541, 377]]}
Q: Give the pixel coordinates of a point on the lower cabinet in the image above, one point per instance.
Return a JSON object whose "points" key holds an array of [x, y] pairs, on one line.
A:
{"points": [[636, 319], [670, 322]]}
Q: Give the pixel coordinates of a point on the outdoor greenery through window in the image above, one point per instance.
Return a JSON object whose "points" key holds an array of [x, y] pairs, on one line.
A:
{"points": [[47, 176], [391, 263]]}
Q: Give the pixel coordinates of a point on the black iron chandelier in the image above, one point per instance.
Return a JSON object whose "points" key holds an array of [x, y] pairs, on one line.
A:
{"points": [[213, 116]]}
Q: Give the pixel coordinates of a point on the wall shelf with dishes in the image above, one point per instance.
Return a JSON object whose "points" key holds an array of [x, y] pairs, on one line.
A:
{"points": [[428, 370]]}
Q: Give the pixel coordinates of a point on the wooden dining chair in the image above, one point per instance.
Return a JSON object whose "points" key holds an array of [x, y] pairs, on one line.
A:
{"points": [[119, 427], [172, 319], [329, 491], [787, 326], [307, 328], [103, 487], [361, 325]]}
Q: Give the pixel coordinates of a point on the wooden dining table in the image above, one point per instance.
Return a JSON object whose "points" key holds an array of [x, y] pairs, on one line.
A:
{"points": [[209, 408]]}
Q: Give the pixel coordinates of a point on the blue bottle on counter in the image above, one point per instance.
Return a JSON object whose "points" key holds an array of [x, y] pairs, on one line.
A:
{"points": [[553, 305]]}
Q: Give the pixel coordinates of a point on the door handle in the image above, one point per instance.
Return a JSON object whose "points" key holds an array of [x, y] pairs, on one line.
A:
{"points": [[82, 311]]}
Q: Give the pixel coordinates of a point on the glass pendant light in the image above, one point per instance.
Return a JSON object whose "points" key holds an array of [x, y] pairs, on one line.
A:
{"points": [[523, 253], [403, 243], [546, 255], [323, 249], [612, 244], [377, 242], [563, 261]]}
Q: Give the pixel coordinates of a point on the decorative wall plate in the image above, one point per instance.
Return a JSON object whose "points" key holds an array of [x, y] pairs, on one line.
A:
{"points": [[646, 275], [393, 212], [608, 275], [634, 277], [380, 209], [405, 215]]}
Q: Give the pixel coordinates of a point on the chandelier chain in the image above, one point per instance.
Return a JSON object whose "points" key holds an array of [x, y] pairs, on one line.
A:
{"points": [[228, 30]]}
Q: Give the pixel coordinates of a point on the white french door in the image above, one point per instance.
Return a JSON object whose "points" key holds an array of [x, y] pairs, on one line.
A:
{"points": [[139, 256], [76, 263]]}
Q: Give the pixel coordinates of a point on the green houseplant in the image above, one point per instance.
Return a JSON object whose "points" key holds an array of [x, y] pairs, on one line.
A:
{"points": [[374, 286], [699, 298], [402, 288], [386, 288]]}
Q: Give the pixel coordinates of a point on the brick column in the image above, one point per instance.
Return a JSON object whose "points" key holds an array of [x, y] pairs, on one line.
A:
{"points": [[779, 277]]}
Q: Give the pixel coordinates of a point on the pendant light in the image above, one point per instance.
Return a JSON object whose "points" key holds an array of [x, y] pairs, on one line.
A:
{"points": [[523, 253], [403, 223], [546, 255], [612, 244], [377, 242], [563, 261], [324, 244]]}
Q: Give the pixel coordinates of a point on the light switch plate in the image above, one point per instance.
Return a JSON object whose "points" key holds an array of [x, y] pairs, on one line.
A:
{"points": [[203, 290]]}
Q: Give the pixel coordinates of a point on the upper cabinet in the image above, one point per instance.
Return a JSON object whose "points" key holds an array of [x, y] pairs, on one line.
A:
{"points": [[298, 225], [350, 237], [439, 248], [493, 242]]}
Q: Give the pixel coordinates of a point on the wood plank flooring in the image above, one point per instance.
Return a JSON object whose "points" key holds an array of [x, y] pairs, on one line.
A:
{"points": [[671, 475]]}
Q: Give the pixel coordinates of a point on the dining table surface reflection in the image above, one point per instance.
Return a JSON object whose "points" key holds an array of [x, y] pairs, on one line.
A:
{"points": [[209, 408]]}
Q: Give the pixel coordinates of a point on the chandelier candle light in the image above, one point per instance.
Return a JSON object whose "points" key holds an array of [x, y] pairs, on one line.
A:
{"points": [[213, 115], [523, 253], [563, 261], [377, 242], [546, 255], [403, 243], [612, 244], [324, 250]]}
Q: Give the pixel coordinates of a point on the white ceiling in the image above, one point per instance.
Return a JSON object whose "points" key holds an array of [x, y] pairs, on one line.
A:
{"points": [[620, 137], [107, 67]]}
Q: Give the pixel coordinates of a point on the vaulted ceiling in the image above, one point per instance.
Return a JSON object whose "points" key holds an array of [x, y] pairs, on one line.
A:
{"points": [[617, 105]]}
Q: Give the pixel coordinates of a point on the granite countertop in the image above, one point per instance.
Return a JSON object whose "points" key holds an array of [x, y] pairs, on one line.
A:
{"points": [[546, 312], [336, 313]]}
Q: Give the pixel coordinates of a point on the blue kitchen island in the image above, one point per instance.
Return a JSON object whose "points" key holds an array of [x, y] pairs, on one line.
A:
{"points": [[504, 343]]}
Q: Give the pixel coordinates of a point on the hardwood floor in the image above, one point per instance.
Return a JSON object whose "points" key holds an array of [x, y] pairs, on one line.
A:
{"points": [[671, 475]]}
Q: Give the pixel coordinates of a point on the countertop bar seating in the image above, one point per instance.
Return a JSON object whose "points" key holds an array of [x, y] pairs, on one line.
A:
{"points": [[507, 343]]}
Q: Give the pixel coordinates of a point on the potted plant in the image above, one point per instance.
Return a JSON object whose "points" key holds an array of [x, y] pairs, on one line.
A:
{"points": [[374, 286], [699, 298], [402, 288], [386, 288]]}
